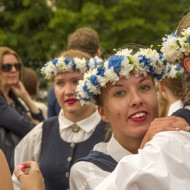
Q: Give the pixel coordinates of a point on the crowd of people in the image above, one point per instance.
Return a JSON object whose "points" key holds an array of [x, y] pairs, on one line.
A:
{"points": [[115, 123]]}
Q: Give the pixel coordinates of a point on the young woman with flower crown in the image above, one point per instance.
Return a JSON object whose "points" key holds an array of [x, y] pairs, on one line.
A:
{"points": [[124, 90], [59, 141]]}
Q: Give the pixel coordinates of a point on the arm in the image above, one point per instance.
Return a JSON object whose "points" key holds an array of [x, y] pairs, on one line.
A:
{"points": [[85, 175], [5, 175], [162, 164], [22, 93], [32, 180], [28, 149], [170, 123], [10, 119]]}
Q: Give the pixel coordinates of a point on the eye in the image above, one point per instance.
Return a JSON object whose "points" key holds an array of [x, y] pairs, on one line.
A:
{"points": [[144, 88], [119, 93], [60, 83], [76, 81]]}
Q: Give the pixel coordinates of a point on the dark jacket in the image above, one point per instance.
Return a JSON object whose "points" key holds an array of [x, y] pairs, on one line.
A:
{"points": [[14, 125]]}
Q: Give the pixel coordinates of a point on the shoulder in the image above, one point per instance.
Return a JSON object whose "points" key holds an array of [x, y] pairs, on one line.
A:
{"points": [[33, 136], [50, 121], [86, 175], [2, 99], [183, 113], [101, 147]]}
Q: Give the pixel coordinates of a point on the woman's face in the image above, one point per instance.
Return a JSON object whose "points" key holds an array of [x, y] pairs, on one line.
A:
{"points": [[65, 87], [129, 106], [9, 76]]}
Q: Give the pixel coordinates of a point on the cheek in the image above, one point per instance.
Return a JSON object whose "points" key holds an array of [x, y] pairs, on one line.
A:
{"points": [[58, 93], [115, 113]]}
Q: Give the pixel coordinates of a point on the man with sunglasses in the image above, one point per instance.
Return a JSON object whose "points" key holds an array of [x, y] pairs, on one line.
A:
{"points": [[15, 120]]}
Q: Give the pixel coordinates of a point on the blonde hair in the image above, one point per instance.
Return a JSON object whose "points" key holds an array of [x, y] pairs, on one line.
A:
{"points": [[175, 85], [6, 51], [184, 23]]}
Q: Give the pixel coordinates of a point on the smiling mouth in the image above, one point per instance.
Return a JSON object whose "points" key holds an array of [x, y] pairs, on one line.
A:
{"points": [[139, 117]]}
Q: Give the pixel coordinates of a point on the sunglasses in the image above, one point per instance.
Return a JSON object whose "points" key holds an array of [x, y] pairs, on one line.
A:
{"points": [[8, 67]]}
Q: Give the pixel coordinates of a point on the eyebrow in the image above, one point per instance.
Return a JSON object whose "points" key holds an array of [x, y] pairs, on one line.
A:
{"points": [[74, 78], [140, 81]]}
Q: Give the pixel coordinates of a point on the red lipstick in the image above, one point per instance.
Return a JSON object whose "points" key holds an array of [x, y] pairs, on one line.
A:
{"points": [[139, 116], [71, 101]]}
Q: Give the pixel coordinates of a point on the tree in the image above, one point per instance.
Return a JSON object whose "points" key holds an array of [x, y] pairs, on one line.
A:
{"points": [[39, 31]]}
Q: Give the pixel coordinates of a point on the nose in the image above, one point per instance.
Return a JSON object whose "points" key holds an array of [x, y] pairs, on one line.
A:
{"points": [[13, 69], [135, 99], [69, 89]]}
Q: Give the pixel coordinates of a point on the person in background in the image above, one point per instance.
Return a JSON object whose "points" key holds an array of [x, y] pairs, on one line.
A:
{"points": [[170, 91], [124, 91], [56, 143], [86, 40], [53, 105], [30, 80], [15, 120]]}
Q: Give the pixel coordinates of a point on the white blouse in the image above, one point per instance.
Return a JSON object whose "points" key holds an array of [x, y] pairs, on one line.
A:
{"points": [[175, 106], [86, 175]]}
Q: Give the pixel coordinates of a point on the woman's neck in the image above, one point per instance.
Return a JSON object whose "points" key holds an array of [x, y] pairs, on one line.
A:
{"points": [[130, 144], [79, 116]]}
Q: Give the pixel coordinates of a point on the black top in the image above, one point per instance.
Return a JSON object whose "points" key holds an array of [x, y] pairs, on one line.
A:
{"points": [[183, 113], [103, 161], [14, 125]]}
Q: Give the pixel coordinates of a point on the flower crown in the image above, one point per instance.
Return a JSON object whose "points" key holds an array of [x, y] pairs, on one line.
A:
{"points": [[63, 64], [120, 65], [174, 70], [175, 47]]}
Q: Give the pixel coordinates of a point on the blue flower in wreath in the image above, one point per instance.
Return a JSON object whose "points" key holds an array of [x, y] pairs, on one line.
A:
{"points": [[144, 60], [94, 80], [100, 71], [115, 62], [54, 61]]}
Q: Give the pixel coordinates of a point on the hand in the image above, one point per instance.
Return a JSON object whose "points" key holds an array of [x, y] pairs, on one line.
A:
{"points": [[22, 93], [29, 176], [19, 90], [170, 123]]}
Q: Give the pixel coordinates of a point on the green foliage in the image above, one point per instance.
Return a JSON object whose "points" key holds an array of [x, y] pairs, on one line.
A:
{"points": [[38, 32]]}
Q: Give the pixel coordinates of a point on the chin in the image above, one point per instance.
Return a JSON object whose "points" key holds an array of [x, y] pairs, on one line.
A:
{"points": [[13, 82], [71, 110]]}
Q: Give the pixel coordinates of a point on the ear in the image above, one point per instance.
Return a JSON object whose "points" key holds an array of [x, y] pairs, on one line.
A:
{"points": [[161, 86], [102, 114], [186, 63], [99, 52]]}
